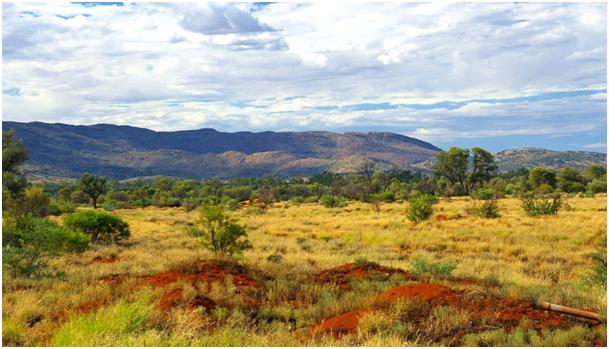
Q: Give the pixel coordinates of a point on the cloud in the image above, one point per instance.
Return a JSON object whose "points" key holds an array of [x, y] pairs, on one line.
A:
{"points": [[435, 70], [595, 145]]}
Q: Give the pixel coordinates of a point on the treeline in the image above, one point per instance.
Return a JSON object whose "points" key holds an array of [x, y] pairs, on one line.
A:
{"points": [[457, 172]]}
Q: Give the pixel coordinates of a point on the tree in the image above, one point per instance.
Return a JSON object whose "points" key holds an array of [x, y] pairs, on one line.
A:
{"points": [[93, 186], [465, 169], [220, 233], [14, 155], [35, 202], [539, 176], [571, 181], [596, 172]]}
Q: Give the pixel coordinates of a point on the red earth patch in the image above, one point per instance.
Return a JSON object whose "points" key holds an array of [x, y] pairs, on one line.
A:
{"points": [[343, 274]]}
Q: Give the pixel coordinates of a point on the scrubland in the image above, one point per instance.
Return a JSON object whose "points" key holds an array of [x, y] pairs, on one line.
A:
{"points": [[479, 280]]}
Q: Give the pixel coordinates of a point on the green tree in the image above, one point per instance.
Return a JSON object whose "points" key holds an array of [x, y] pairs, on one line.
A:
{"points": [[35, 202], [93, 186], [596, 172], [571, 180], [14, 155], [465, 169], [220, 233], [539, 176]]}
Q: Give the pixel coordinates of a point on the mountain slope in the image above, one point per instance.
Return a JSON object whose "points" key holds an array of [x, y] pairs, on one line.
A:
{"points": [[124, 151], [513, 159]]}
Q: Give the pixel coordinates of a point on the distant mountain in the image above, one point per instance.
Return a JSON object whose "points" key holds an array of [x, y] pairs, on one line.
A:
{"points": [[513, 159], [59, 150]]}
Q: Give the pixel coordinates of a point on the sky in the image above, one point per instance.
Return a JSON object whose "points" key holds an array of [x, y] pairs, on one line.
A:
{"points": [[499, 75]]}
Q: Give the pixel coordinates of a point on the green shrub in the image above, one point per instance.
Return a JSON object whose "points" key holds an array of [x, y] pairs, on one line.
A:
{"points": [[536, 207], [488, 209], [219, 232], [332, 201], [57, 207], [485, 194], [35, 202], [102, 227], [28, 241], [420, 207], [421, 265]]}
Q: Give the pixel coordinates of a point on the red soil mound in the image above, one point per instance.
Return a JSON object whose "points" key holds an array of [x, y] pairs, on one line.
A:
{"points": [[176, 297], [343, 274], [207, 272], [344, 323], [423, 291]]}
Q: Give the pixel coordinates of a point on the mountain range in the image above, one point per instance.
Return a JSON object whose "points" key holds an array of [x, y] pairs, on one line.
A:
{"points": [[121, 152]]}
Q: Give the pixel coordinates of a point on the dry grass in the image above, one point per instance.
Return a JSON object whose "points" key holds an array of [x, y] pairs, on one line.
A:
{"points": [[542, 258]]}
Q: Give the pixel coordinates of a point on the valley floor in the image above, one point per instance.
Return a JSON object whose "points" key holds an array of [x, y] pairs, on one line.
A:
{"points": [[319, 276]]}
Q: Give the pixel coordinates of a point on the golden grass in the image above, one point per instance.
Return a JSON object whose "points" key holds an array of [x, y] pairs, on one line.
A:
{"points": [[543, 258]]}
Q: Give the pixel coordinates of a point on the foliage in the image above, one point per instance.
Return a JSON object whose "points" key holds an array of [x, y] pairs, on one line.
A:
{"points": [[93, 186], [571, 181], [420, 207], [219, 232], [487, 209], [598, 274], [542, 176], [422, 265], [35, 202], [536, 207], [13, 156], [332, 201], [28, 241], [465, 169], [57, 207], [102, 227]]}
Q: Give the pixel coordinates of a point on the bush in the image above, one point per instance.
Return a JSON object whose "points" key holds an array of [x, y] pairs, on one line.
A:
{"points": [[220, 233], [598, 274], [537, 207], [331, 201], [35, 202], [28, 240], [488, 209], [57, 207], [102, 227], [485, 194], [421, 265], [420, 207]]}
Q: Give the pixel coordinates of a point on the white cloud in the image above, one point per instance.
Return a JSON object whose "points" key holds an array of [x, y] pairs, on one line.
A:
{"points": [[182, 66]]}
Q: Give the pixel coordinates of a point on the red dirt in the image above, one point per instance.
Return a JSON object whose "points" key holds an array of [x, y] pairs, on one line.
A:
{"points": [[175, 298], [207, 272], [102, 260], [501, 311], [90, 306], [343, 274], [344, 323]]}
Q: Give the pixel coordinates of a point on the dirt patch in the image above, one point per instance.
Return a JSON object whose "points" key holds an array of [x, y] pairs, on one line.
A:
{"points": [[104, 260], [341, 324], [342, 275], [90, 306], [206, 272], [176, 298]]}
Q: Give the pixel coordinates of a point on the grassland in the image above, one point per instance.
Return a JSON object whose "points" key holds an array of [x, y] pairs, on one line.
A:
{"points": [[145, 291]]}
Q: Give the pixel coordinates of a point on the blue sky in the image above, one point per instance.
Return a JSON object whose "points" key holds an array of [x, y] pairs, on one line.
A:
{"points": [[499, 75]]}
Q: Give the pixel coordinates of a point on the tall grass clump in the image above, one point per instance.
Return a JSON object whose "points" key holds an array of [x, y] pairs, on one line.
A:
{"points": [[420, 207], [488, 209], [422, 265]]}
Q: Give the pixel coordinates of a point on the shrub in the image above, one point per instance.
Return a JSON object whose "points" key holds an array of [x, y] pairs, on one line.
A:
{"points": [[28, 240], [102, 227], [421, 265], [488, 209], [57, 207], [35, 202], [485, 194], [331, 201], [420, 207], [219, 232], [537, 207]]}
